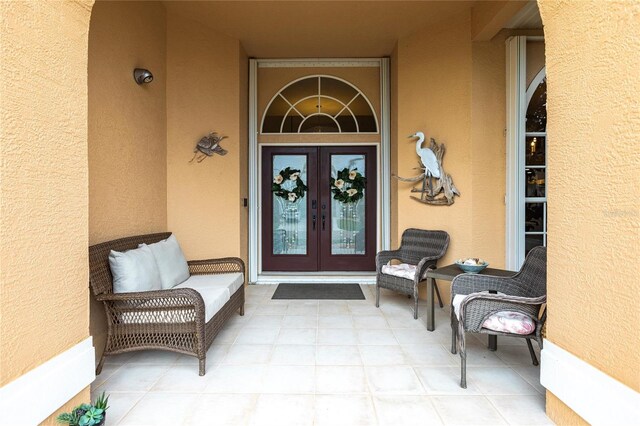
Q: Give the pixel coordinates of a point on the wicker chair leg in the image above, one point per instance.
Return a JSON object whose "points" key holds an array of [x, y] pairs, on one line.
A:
{"points": [[202, 364], [435, 285], [100, 364], [242, 310], [415, 308], [454, 340], [377, 296], [463, 369], [534, 359]]}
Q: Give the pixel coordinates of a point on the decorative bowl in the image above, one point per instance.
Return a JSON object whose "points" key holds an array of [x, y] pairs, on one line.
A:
{"points": [[471, 265]]}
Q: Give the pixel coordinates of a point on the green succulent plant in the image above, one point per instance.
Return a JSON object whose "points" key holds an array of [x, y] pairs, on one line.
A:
{"points": [[86, 414], [91, 417], [102, 402]]}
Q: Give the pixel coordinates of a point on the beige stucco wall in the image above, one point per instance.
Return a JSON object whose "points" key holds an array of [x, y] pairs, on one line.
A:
{"points": [[127, 128], [488, 149], [127, 121], [454, 90], [203, 94], [594, 208], [43, 182]]}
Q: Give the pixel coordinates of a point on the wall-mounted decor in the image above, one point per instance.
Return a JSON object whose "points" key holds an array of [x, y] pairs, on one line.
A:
{"points": [[436, 187], [207, 146]]}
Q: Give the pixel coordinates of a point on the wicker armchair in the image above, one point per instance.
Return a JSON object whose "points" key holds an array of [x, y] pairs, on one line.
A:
{"points": [[172, 320], [418, 247], [525, 292]]}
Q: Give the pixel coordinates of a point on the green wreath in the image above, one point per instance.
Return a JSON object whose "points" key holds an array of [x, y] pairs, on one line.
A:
{"points": [[287, 175], [349, 186]]}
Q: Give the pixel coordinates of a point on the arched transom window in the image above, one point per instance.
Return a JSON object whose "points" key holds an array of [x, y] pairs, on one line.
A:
{"points": [[319, 104]]}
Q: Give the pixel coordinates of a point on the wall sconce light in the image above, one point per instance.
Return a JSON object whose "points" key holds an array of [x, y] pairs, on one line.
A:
{"points": [[142, 76]]}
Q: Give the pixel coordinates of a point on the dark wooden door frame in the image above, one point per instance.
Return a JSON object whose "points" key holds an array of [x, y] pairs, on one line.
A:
{"points": [[292, 262], [319, 257], [356, 262]]}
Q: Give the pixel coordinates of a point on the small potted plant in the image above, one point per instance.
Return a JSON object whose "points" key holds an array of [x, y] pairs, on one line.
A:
{"points": [[87, 414]]}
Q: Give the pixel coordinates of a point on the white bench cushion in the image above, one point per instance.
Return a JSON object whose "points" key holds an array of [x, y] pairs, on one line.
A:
{"points": [[216, 290], [231, 281]]}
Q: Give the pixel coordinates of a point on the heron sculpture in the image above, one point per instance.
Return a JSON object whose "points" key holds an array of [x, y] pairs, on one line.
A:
{"points": [[429, 162], [437, 185], [427, 157]]}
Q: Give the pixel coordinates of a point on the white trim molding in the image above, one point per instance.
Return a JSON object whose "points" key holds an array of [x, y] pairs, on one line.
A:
{"points": [[385, 155], [384, 194], [37, 394], [515, 136], [254, 208], [593, 395], [319, 63]]}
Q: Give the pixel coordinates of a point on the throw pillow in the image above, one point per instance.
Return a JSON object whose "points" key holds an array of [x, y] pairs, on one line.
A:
{"points": [[134, 270], [171, 262]]}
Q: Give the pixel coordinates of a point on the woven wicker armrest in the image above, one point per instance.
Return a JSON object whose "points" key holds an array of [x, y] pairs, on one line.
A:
{"points": [[424, 264], [216, 266], [474, 283], [174, 305], [384, 257], [172, 297]]}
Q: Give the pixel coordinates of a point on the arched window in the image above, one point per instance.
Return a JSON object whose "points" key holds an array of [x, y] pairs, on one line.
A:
{"points": [[319, 104], [535, 167]]}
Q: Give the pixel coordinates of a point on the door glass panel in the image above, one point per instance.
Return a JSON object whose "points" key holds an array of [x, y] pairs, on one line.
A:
{"points": [[289, 204], [535, 183], [348, 175], [535, 150]]}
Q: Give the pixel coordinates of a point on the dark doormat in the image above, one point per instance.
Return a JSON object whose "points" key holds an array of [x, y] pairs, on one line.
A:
{"points": [[319, 291]]}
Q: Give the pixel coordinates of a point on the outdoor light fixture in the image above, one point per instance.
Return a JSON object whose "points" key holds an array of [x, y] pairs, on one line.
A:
{"points": [[142, 76]]}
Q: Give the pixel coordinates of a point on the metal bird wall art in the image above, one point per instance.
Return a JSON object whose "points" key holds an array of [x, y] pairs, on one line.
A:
{"points": [[207, 146], [437, 186]]}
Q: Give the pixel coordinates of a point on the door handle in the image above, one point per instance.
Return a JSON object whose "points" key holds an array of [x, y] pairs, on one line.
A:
{"points": [[323, 221], [313, 221]]}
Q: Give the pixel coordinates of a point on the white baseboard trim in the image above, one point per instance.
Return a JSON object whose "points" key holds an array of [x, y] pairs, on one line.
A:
{"points": [[593, 395], [37, 394]]}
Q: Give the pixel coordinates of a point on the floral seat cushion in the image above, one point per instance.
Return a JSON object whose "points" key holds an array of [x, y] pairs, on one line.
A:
{"points": [[503, 321], [402, 270]]}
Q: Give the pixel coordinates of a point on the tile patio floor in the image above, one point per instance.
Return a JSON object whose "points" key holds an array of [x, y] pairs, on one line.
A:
{"points": [[327, 363]]}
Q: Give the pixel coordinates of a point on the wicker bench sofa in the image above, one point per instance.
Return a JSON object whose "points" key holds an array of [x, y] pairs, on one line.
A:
{"points": [[174, 319]]}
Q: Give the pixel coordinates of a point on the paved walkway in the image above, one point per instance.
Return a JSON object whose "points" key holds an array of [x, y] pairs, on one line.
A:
{"points": [[327, 363]]}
